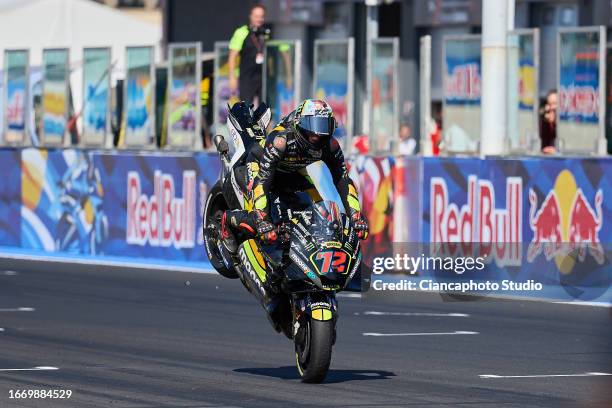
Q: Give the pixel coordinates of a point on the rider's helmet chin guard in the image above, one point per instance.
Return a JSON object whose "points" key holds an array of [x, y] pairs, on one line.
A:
{"points": [[314, 119]]}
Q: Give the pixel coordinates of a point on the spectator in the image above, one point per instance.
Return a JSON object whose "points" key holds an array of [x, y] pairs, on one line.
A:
{"points": [[435, 132], [248, 43], [361, 144], [407, 144], [548, 123]]}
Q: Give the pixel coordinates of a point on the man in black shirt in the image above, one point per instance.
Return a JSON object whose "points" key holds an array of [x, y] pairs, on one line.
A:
{"points": [[248, 43]]}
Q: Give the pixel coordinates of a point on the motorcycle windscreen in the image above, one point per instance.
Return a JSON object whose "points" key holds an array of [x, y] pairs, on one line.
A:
{"points": [[236, 147], [324, 183]]}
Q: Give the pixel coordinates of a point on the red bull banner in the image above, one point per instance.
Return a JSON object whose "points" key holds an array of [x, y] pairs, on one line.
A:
{"points": [[545, 220], [529, 221], [80, 203]]}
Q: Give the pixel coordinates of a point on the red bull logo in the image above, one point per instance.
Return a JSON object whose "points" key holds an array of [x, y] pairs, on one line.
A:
{"points": [[479, 227], [579, 100], [463, 82], [565, 222], [163, 219], [14, 108]]}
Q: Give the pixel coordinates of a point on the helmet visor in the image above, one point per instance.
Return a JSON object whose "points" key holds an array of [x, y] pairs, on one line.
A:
{"points": [[317, 124]]}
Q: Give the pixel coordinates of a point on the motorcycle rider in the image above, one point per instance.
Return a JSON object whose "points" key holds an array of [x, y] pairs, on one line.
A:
{"points": [[301, 138]]}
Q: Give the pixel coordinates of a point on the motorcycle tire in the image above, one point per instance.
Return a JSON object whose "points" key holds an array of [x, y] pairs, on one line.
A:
{"points": [[313, 356], [215, 206]]}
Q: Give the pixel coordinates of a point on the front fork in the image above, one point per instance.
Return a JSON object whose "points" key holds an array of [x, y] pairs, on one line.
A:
{"points": [[321, 306]]}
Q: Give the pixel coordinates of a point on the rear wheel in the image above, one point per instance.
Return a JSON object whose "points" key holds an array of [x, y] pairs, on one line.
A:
{"points": [[215, 206], [313, 350]]}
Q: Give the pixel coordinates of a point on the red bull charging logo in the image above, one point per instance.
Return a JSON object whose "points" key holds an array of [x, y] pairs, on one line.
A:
{"points": [[565, 222]]}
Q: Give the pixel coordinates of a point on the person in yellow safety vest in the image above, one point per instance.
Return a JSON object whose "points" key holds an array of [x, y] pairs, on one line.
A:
{"points": [[248, 42]]}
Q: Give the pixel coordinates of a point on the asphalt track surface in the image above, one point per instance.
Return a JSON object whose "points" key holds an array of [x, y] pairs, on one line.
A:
{"points": [[129, 338]]}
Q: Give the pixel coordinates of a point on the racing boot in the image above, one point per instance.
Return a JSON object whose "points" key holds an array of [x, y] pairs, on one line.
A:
{"points": [[227, 235], [240, 220], [233, 222], [252, 224]]}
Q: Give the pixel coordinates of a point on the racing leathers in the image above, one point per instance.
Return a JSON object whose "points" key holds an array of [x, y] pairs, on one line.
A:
{"points": [[279, 162]]}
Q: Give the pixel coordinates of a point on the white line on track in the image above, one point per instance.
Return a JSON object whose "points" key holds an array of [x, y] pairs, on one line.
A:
{"points": [[584, 303], [1, 329], [9, 273], [105, 262], [41, 368], [18, 309], [419, 334], [543, 375], [349, 295], [376, 313]]}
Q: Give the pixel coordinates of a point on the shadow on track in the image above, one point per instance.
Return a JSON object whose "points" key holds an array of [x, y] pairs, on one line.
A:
{"points": [[333, 376]]}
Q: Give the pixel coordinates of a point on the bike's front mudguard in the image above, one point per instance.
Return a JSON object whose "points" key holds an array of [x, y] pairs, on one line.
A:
{"points": [[320, 306], [314, 306]]}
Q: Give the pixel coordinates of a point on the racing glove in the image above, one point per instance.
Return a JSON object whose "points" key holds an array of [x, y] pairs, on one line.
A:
{"points": [[360, 224], [265, 229]]}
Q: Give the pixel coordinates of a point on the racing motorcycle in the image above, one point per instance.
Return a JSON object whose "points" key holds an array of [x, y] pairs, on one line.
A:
{"points": [[317, 254], [83, 225]]}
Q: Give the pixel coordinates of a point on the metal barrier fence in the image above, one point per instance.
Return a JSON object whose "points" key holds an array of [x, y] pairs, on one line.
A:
{"points": [[282, 76], [581, 67], [461, 78], [39, 106], [184, 103], [223, 94], [15, 96], [55, 96], [138, 127], [384, 98], [425, 95], [523, 79], [333, 80], [97, 66]]}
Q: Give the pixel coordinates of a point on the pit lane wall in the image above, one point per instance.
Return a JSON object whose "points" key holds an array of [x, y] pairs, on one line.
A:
{"points": [[146, 208]]}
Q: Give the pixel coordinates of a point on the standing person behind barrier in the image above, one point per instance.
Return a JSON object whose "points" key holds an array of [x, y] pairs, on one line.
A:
{"points": [[248, 43], [407, 143], [548, 123]]}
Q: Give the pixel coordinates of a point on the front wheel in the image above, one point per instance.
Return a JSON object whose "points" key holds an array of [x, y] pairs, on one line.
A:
{"points": [[313, 352]]}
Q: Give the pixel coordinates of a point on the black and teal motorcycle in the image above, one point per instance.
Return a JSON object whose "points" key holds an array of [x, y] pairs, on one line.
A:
{"points": [[317, 254]]}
